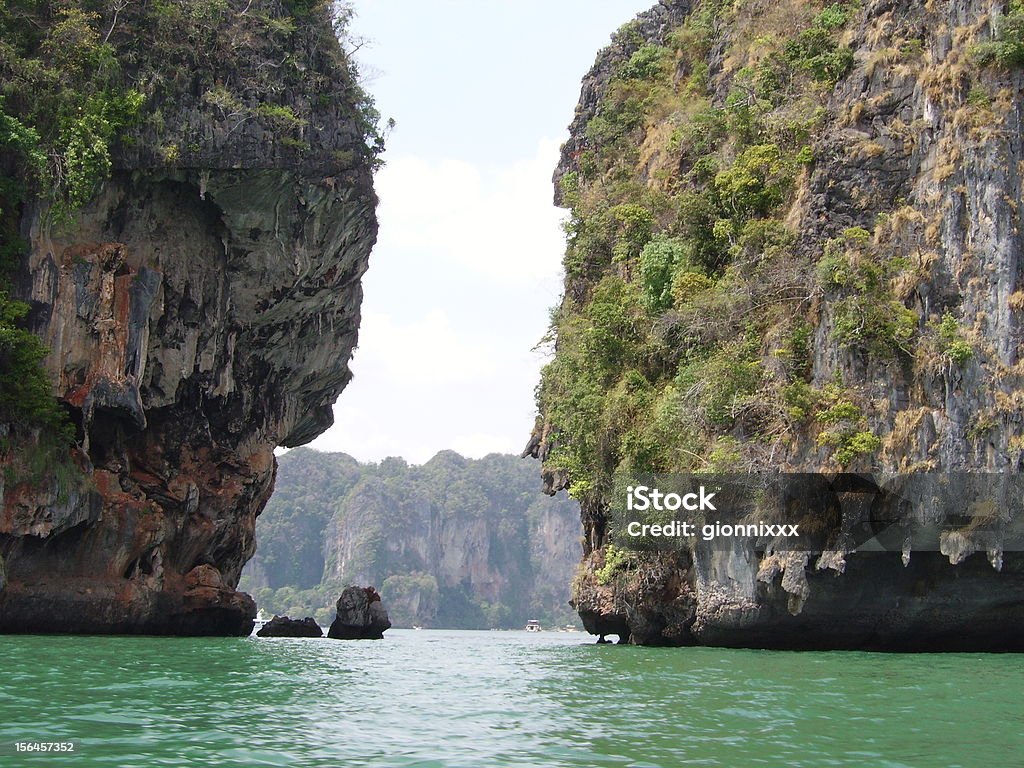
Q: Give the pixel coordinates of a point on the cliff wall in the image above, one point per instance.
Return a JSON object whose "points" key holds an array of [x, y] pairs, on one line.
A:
{"points": [[200, 309], [794, 246], [455, 542]]}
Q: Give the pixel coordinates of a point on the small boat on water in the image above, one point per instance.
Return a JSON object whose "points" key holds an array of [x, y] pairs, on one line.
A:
{"points": [[260, 620], [533, 626], [416, 626]]}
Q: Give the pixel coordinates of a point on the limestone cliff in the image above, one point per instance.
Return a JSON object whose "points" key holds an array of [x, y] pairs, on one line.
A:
{"points": [[200, 310], [794, 246], [455, 542]]}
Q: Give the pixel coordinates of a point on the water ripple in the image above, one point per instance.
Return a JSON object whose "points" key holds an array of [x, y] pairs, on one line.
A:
{"points": [[454, 699]]}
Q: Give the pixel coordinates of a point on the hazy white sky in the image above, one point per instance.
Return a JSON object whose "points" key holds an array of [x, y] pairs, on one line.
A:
{"points": [[468, 260]]}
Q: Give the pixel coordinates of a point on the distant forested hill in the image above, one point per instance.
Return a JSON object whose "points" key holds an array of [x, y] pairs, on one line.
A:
{"points": [[453, 543]]}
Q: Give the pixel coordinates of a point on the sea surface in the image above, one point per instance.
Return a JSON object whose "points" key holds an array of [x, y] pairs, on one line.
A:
{"points": [[477, 699]]}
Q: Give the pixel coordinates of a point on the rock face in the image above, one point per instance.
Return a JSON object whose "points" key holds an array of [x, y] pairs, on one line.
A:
{"points": [[912, 173], [200, 311], [361, 615], [282, 626]]}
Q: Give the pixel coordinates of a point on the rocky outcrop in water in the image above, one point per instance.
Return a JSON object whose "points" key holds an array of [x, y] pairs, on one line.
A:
{"points": [[282, 626], [200, 310], [361, 615], [797, 256]]}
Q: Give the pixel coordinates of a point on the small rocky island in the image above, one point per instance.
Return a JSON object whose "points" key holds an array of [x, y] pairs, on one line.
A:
{"points": [[361, 616], [283, 626]]}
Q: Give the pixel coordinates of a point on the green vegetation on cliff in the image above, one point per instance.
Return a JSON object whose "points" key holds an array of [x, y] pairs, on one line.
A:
{"points": [[26, 399], [793, 246], [453, 543], [84, 84], [686, 339], [65, 99], [78, 75]]}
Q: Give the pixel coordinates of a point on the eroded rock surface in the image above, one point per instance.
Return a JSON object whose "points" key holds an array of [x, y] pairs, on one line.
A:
{"points": [[200, 311], [917, 149], [361, 615]]}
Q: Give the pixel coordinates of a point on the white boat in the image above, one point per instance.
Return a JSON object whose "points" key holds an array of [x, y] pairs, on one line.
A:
{"points": [[260, 620], [533, 626]]}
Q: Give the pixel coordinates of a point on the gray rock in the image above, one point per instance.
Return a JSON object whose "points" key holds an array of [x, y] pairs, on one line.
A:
{"points": [[282, 626], [361, 615]]}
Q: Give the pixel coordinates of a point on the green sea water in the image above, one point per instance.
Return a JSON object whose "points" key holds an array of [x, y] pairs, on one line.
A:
{"points": [[437, 698]]}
